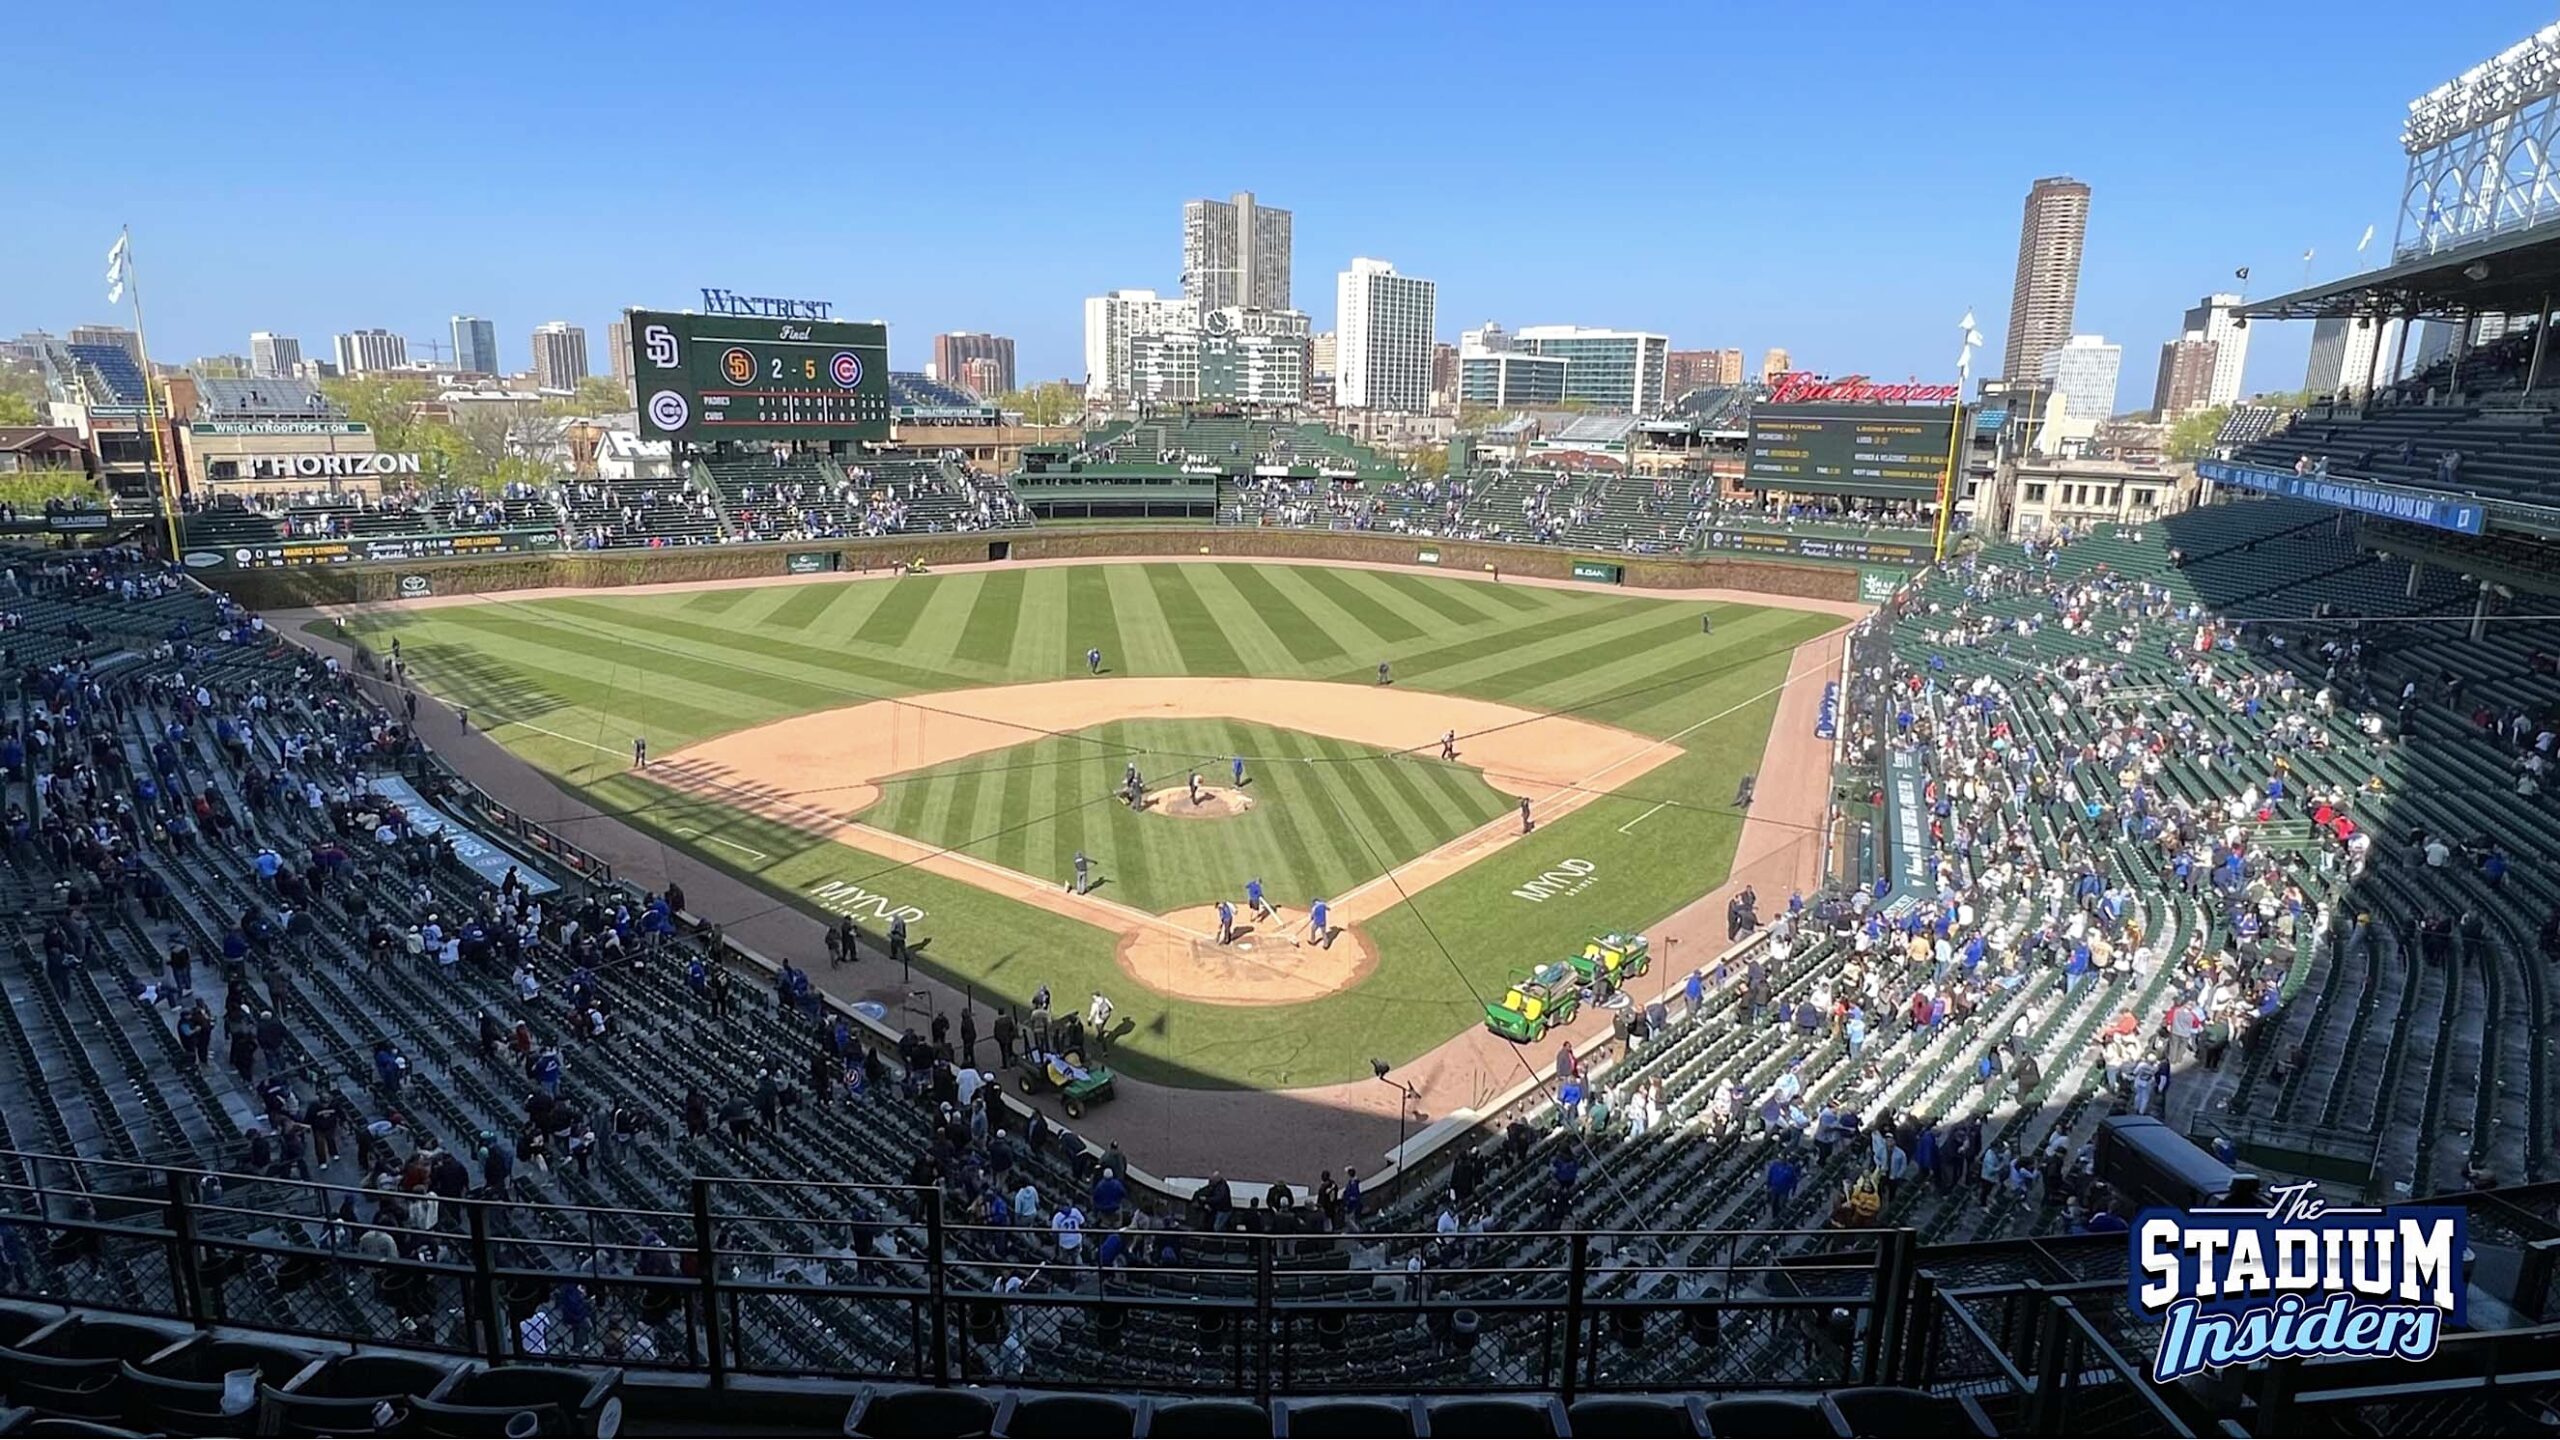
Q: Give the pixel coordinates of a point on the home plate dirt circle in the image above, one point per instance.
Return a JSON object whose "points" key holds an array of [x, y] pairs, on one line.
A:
{"points": [[1215, 803], [1266, 964]]}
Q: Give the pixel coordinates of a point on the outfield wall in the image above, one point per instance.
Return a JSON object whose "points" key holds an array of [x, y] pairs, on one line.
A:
{"points": [[343, 584]]}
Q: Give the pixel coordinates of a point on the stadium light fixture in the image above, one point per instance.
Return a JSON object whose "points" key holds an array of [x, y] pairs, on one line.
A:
{"points": [[2476, 271]]}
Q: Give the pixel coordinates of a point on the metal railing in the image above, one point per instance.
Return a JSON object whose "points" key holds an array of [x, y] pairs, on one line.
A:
{"points": [[859, 1282]]}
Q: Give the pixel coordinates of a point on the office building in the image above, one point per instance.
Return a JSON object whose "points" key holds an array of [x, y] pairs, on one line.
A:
{"points": [[1383, 323], [952, 353], [115, 335], [2186, 378], [1444, 375], [617, 344], [363, 351], [2046, 289], [2344, 356], [1510, 379], [1111, 321], [475, 345], [985, 377], [559, 356], [1774, 364], [2213, 321], [1687, 370], [2083, 372], [273, 356], [1320, 353], [1620, 371], [1235, 254]]}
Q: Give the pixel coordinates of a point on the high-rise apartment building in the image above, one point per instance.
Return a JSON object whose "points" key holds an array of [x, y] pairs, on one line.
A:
{"points": [[1614, 370], [475, 345], [1774, 364], [2344, 352], [953, 351], [559, 356], [2213, 321], [362, 351], [273, 356], [1687, 370], [617, 345], [2186, 378], [1235, 252], [2047, 288], [1384, 327], [1320, 353], [2083, 371]]}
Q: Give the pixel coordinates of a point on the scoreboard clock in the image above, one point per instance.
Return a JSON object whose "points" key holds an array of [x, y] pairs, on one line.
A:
{"points": [[706, 378]]}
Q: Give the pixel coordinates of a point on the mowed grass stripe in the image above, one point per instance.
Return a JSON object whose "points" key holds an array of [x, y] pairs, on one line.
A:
{"points": [[1015, 788], [859, 675], [1441, 596], [1391, 783], [894, 618], [986, 637], [806, 604], [1093, 622], [1626, 677], [1516, 597], [572, 659], [1258, 650], [1363, 606], [1294, 836], [1394, 820], [1572, 673], [1306, 641], [1204, 645], [717, 602], [1579, 621], [1327, 831]]}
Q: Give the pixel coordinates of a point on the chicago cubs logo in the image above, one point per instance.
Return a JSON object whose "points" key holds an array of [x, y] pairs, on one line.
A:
{"points": [[668, 411], [738, 365], [847, 368]]}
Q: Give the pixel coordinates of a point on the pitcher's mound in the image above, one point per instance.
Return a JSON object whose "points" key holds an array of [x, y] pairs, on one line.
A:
{"points": [[1265, 965], [1215, 803]]}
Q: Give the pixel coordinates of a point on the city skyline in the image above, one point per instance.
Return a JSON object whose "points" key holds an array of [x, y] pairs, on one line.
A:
{"points": [[378, 244]]}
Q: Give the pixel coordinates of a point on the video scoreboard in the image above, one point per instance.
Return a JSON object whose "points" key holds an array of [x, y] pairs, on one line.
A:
{"points": [[706, 378], [1886, 450]]}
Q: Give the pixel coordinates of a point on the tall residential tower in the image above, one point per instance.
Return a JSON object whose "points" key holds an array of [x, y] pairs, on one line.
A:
{"points": [[2047, 287]]}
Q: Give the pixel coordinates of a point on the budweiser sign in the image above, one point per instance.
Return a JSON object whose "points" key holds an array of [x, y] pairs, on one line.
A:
{"points": [[1795, 387]]}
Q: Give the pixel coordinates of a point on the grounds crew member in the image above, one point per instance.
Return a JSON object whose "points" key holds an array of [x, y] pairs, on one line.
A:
{"points": [[1083, 880], [1382, 674], [1226, 922], [1097, 1024], [1239, 772], [1253, 900], [1093, 661], [1526, 824], [639, 752], [1319, 927], [1195, 789], [1449, 745]]}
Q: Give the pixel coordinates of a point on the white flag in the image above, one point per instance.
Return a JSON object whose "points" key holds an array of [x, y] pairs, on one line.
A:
{"points": [[119, 267], [2367, 240]]}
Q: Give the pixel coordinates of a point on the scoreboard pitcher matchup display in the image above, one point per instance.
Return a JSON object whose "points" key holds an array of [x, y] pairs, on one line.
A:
{"points": [[1878, 450], [708, 378]]}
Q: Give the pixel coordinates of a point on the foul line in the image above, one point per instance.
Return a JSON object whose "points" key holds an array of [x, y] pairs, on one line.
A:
{"points": [[1630, 825]]}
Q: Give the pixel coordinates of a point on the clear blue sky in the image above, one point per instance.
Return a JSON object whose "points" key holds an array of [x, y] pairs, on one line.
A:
{"points": [[1843, 180]]}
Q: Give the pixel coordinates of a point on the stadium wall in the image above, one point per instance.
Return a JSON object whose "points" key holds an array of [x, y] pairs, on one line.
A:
{"points": [[345, 584]]}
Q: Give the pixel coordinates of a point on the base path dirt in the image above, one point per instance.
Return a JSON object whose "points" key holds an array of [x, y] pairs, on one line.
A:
{"points": [[1559, 763], [1266, 962]]}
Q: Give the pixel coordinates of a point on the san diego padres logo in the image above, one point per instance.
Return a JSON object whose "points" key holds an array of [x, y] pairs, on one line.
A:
{"points": [[738, 365], [847, 368], [668, 411]]}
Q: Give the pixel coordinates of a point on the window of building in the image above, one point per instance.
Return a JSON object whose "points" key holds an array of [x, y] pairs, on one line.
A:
{"points": [[2035, 494]]}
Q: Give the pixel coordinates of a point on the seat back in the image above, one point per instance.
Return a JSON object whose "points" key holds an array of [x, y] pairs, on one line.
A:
{"points": [[285, 1412], [1346, 1419], [58, 1385], [1064, 1417], [1210, 1418], [1498, 1419], [473, 1422], [161, 1402], [920, 1412], [1768, 1415], [1631, 1416]]}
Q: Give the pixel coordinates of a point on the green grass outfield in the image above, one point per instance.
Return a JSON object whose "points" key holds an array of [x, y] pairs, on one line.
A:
{"points": [[1327, 814], [567, 682]]}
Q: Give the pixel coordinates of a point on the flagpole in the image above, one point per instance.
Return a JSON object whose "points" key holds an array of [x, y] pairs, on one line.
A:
{"points": [[166, 484], [1947, 481]]}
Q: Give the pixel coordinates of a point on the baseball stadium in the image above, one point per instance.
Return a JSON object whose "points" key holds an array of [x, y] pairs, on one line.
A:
{"points": [[820, 904]]}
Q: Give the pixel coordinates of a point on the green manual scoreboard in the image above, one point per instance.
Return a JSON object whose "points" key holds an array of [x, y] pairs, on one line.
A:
{"points": [[706, 378]]}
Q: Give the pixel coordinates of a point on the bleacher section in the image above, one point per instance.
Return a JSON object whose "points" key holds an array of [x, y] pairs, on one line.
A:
{"points": [[2506, 455], [109, 374], [608, 514]]}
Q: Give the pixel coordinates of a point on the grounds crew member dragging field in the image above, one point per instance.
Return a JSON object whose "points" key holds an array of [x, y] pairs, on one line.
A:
{"points": [[1195, 789], [1253, 900], [1083, 880], [1319, 923]]}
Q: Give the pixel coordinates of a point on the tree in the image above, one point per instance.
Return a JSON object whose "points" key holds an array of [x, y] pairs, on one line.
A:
{"points": [[2192, 437], [27, 491], [22, 395], [1431, 462], [1053, 403], [385, 404], [597, 395]]}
